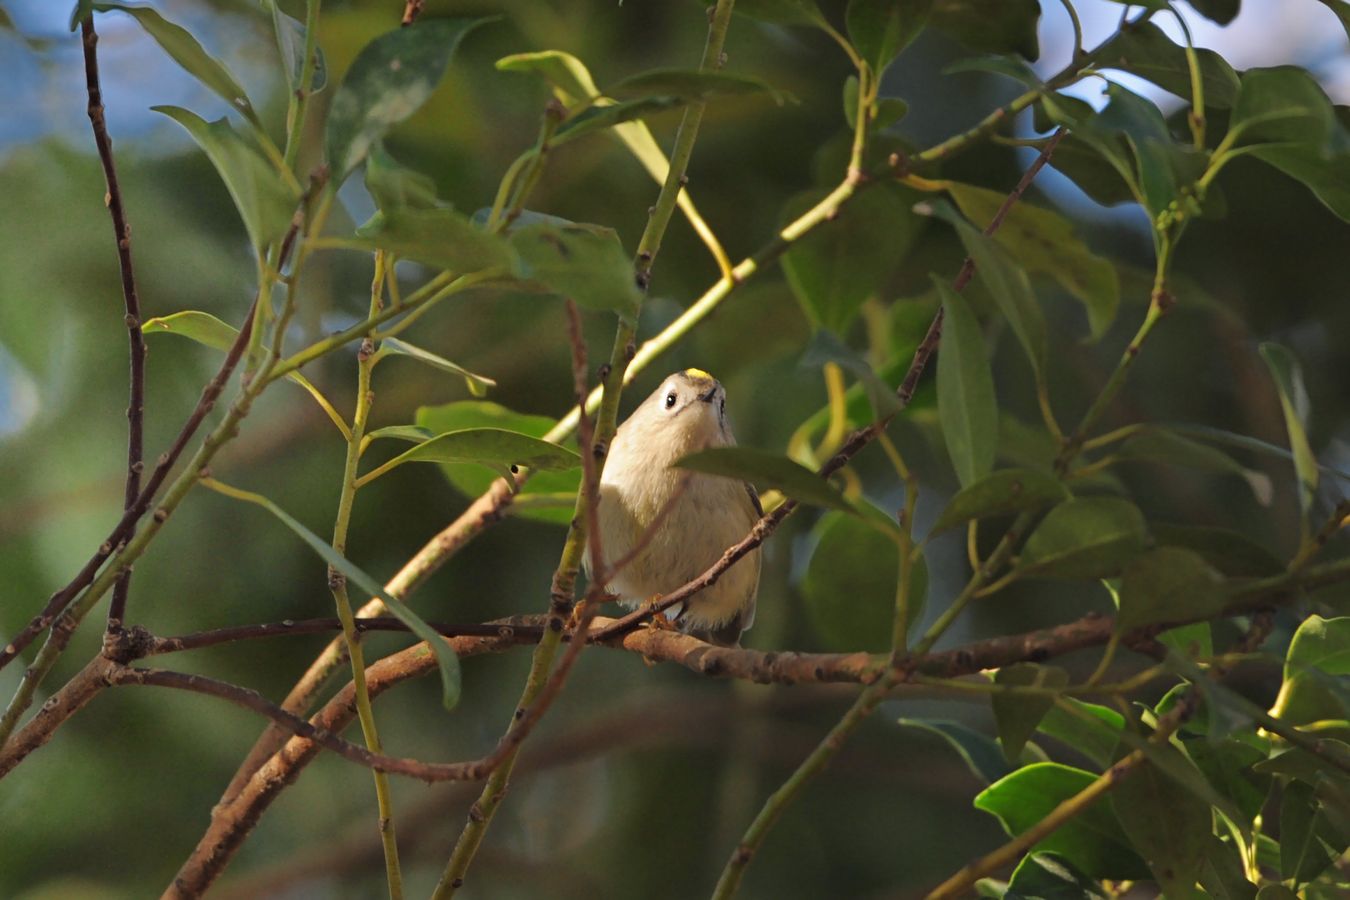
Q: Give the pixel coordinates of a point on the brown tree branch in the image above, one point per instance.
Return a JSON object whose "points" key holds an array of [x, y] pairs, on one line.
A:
{"points": [[130, 297]]}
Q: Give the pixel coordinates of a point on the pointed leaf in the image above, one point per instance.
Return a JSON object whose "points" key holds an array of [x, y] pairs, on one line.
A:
{"points": [[446, 659], [584, 262], [833, 270], [1042, 240], [1286, 105], [478, 384], [565, 72], [1089, 728], [1170, 828], [1294, 401], [1145, 50], [850, 584], [991, 26], [600, 116], [767, 471], [1045, 876], [264, 200], [290, 35], [411, 433], [436, 237], [393, 186], [690, 84], [184, 49], [1007, 284], [1167, 584], [980, 754], [881, 29], [1087, 537], [1327, 177], [1302, 856], [967, 407], [472, 481], [1221, 11], [1160, 444], [495, 448], [1318, 655], [388, 81], [1018, 715], [1092, 841], [1002, 493]]}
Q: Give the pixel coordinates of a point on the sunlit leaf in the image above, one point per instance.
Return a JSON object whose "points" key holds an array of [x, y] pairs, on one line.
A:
{"points": [[265, 201], [1092, 841], [1318, 654], [1046, 876], [388, 81], [185, 50], [767, 471], [563, 70], [472, 480], [446, 659], [584, 262], [967, 406]]}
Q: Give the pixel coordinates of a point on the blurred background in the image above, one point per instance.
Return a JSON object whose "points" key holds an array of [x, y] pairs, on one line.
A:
{"points": [[642, 778]]}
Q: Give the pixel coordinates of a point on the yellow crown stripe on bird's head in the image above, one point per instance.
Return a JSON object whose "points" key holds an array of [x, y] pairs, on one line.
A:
{"points": [[698, 374]]}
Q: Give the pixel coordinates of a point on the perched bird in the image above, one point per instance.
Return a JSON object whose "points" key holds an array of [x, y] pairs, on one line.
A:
{"points": [[707, 515]]}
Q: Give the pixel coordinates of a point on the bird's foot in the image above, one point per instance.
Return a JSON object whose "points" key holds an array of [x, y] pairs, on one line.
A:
{"points": [[659, 621]]}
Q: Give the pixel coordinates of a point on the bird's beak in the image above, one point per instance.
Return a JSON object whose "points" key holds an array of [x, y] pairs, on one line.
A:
{"points": [[707, 397]]}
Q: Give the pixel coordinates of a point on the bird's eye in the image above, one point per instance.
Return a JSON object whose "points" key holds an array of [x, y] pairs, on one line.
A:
{"points": [[670, 400]]}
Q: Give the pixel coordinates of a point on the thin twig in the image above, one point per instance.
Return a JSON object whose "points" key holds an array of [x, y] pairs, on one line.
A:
{"points": [[131, 299]]}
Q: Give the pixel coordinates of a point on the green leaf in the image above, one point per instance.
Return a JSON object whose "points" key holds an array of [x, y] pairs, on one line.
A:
{"points": [[472, 481], [1342, 10], [1231, 552], [1146, 51], [1195, 640], [836, 267], [477, 384], [1167, 584], [980, 754], [1256, 445], [265, 201], [1231, 766], [83, 10], [1008, 66], [991, 26], [826, 347], [600, 116], [1305, 766], [413, 433], [1159, 165], [1007, 284], [881, 29], [688, 85], [767, 471], [967, 407], [206, 329], [1092, 841], [1288, 377], [496, 448], [1302, 856], [437, 237], [568, 75], [1320, 648], [446, 659], [584, 262], [184, 49], [1045, 876], [1286, 105], [850, 584], [1159, 444], [290, 35], [1327, 178], [1087, 537], [1018, 715], [1042, 240], [393, 186], [1002, 493], [1221, 11], [1090, 729], [1170, 828], [1276, 891], [388, 81]]}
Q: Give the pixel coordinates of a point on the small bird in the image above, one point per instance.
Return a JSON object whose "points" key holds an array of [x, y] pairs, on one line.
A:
{"points": [[709, 514]]}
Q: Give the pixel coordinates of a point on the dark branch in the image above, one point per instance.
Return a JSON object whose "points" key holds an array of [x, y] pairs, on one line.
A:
{"points": [[132, 301]]}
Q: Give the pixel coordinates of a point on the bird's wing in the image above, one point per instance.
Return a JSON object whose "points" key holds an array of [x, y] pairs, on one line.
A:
{"points": [[747, 615]]}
